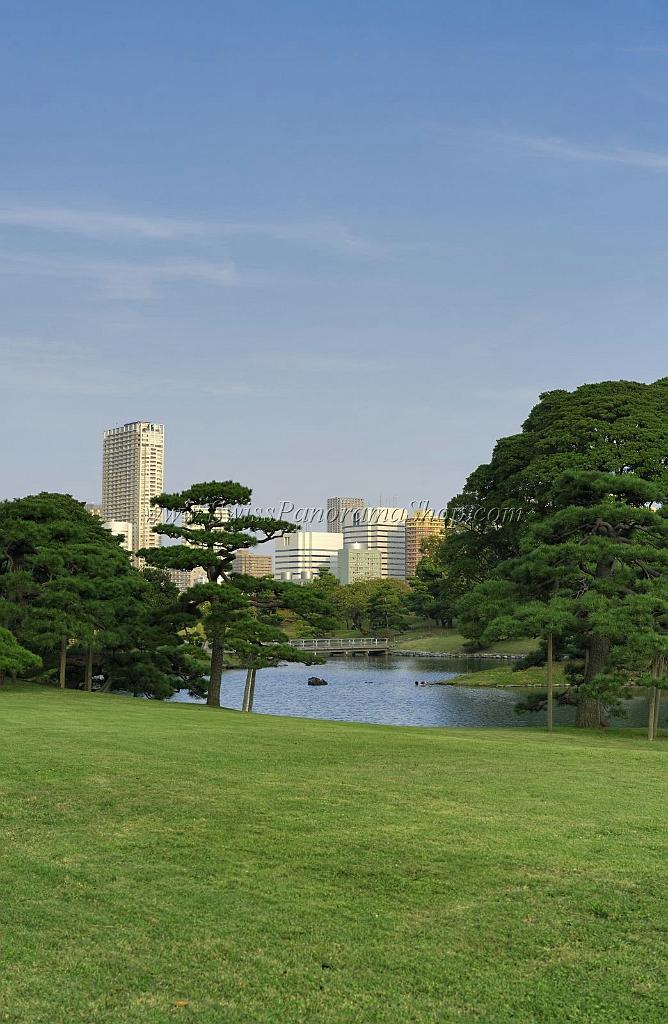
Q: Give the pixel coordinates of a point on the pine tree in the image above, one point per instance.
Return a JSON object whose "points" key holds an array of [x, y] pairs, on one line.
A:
{"points": [[204, 519], [595, 573]]}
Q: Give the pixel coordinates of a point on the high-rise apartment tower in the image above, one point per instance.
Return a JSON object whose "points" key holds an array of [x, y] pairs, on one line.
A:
{"points": [[420, 527], [132, 474]]}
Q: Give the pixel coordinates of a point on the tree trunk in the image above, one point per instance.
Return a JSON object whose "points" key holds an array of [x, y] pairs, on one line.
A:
{"points": [[2, 677], [658, 672], [650, 713], [657, 707], [591, 711], [550, 684], [244, 703], [215, 674], [251, 692], [63, 663], [88, 679]]}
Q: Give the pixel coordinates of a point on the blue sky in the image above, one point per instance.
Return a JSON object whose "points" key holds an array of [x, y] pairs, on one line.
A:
{"points": [[337, 248]]}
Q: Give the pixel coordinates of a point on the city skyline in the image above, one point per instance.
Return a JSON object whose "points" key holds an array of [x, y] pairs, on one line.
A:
{"points": [[315, 513], [316, 516], [373, 541]]}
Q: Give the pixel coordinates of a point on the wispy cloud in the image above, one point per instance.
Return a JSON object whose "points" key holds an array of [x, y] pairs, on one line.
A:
{"points": [[128, 280], [37, 366], [44, 366], [342, 362], [112, 226], [562, 149]]}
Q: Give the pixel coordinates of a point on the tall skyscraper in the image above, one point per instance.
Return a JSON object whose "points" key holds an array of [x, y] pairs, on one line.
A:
{"points": [[421, 526], [339, 512], [132, 474], [382, 529]]}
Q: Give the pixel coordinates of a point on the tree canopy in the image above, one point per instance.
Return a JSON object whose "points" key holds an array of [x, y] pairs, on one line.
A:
{"points": [[210, 532], [70, 595], [586, 558]]}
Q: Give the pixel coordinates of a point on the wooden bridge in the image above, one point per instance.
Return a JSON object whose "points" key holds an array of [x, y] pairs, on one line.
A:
{"points": [[344, 645]]}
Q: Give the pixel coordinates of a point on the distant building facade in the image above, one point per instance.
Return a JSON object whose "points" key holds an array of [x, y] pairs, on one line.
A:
{"points": [[184, 579], [221, 516], [355, 563], [94, 510], [381, 529], [300, 557], [132, 474], [123, 530], [249, 564], [339, 512], [421, 526]]}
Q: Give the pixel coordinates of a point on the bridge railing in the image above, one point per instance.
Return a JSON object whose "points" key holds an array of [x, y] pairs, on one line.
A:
{"points": [[346, 643]]}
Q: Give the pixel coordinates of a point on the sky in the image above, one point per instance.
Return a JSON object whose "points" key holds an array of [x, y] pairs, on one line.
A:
{"points": [[335, 247]]}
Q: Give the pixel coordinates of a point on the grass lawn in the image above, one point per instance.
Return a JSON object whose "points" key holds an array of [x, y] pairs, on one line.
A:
{"points": [[449, 641], [503, 675], [170, 863]]}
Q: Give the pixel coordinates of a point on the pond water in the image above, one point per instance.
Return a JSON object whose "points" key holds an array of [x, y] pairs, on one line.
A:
{"points": [[382, 690]]}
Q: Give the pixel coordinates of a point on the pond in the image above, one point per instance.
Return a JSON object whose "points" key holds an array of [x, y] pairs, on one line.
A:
{"points": [[382, 690]]}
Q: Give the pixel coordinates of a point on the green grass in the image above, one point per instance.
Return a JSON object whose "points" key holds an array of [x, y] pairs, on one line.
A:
{"points": [[503, 675], [449, 641], [259, 869]]}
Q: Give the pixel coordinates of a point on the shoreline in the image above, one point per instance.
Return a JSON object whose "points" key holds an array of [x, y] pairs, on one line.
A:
{"points": [[481, 655]]}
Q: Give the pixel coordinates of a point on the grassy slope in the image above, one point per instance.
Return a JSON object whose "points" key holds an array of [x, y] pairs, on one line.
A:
{"points": [[503, 675], [268, 869], [448, 641]]}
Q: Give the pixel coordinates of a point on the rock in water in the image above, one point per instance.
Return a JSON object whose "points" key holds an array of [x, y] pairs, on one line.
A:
{"points": [[316, 681]]}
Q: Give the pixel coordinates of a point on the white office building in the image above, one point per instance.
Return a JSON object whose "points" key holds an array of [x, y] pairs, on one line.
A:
{"points": [[122, 530], [299, 557], [383, 530]]}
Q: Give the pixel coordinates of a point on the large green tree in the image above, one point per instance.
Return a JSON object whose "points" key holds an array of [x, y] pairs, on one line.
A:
{"points": [[56, 561], [593, 447], [14, 659], [70, 595], [594, 574], [145, 653], [617, 427], [434, 594], [387, 606], [204, 519]]}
